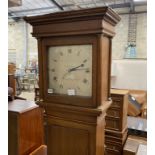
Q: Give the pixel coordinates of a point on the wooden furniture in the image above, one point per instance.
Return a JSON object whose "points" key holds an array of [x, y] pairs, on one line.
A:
{"points": [[41, 150], [132, 145], [36, 90], [25, 127], [116, 122], [141, 97], [11, 68], [12, 83], [116, 118], [75, 109]]}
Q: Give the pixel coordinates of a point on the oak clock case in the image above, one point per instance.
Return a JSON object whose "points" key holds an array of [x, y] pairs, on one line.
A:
{"points": [[74, 49], [68, 66]]}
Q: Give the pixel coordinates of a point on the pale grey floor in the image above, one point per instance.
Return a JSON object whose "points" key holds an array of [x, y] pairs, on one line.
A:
{"points": [[28, 95]]}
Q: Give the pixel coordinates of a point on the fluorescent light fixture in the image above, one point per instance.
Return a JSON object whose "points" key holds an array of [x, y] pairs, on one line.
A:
{"points": [[140, 0]]}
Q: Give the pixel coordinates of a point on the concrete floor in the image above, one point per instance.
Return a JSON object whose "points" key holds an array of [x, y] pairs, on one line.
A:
{"points": [[28, 95]]}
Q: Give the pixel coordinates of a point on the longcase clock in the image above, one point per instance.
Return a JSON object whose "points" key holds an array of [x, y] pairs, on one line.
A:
{"points": [[74, 49]]}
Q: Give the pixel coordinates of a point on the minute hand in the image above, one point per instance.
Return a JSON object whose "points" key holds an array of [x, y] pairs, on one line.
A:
{"points": [[75, 68]]}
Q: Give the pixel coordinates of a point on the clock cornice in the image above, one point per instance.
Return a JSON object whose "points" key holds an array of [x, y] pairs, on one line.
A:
{"points": [[104, 17], [105, 13]]}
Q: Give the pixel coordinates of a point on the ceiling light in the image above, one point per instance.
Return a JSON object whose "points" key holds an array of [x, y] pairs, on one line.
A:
{"points": [[140, 0]]}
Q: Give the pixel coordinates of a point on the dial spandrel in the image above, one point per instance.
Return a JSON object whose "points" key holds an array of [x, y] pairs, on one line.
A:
{"points": [[70, 68]]}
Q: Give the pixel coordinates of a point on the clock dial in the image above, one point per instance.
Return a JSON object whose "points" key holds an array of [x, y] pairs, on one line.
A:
{"points": [[70, 68]]}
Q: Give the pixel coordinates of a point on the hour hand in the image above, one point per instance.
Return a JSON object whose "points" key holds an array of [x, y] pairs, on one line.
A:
{"points": [[75, 68], [85, 69]]}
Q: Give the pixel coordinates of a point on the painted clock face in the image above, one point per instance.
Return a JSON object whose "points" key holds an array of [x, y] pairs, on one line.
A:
{"points": [[70, 70]]}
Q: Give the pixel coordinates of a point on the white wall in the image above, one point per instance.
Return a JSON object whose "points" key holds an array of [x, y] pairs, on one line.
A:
{"points": [[129, 74], [119, 42], [16, 40], [21, 42]]}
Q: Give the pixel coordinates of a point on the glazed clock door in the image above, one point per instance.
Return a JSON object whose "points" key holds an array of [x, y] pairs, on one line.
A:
{"points": [[69, 70]]}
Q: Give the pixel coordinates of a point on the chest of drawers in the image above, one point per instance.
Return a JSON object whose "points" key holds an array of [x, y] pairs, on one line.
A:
{"points": [[116, 123], [116, 118]]}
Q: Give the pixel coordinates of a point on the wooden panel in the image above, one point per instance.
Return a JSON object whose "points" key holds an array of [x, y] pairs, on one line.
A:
{"points": [[117, 134], [112, 152], [25, 127], [103, 68], [114, 146], [71, 27], [117, 101], [11, 68], [13, 140], [113, 123], [115, 139], [40, 59], [76, 134], [12, 83], [31, 130], [67, 141], [100, 135], [115, 112], [42, 150], [71, 22]]}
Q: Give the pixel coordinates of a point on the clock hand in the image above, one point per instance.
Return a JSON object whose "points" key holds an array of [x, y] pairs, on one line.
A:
{"points": [[80, 69], [75, 68], [84, 61]]}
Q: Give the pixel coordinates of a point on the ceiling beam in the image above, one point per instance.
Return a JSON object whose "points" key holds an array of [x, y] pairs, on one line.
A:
{"points": [[36, 9], [140, 12], [57, 5], [114, 6], [70, 5], [121, 5], [16, 19]]}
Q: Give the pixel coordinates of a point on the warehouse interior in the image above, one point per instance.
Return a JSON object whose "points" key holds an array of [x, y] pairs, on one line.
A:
{"points": [[128, 78]]}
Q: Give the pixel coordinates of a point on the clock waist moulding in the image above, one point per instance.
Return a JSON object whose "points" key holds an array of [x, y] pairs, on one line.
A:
{"points": [[74, 51]]}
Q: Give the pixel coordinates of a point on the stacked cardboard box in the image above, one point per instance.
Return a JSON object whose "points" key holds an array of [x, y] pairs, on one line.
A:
{"points": [[142, 149], [132, 145], [116, 123]]}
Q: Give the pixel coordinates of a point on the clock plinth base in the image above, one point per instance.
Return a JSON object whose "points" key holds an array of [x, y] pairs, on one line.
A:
{"points": [[75, 130]]}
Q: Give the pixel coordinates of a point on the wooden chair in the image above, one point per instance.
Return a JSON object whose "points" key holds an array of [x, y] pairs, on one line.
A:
{"points": [[24, 82]]}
